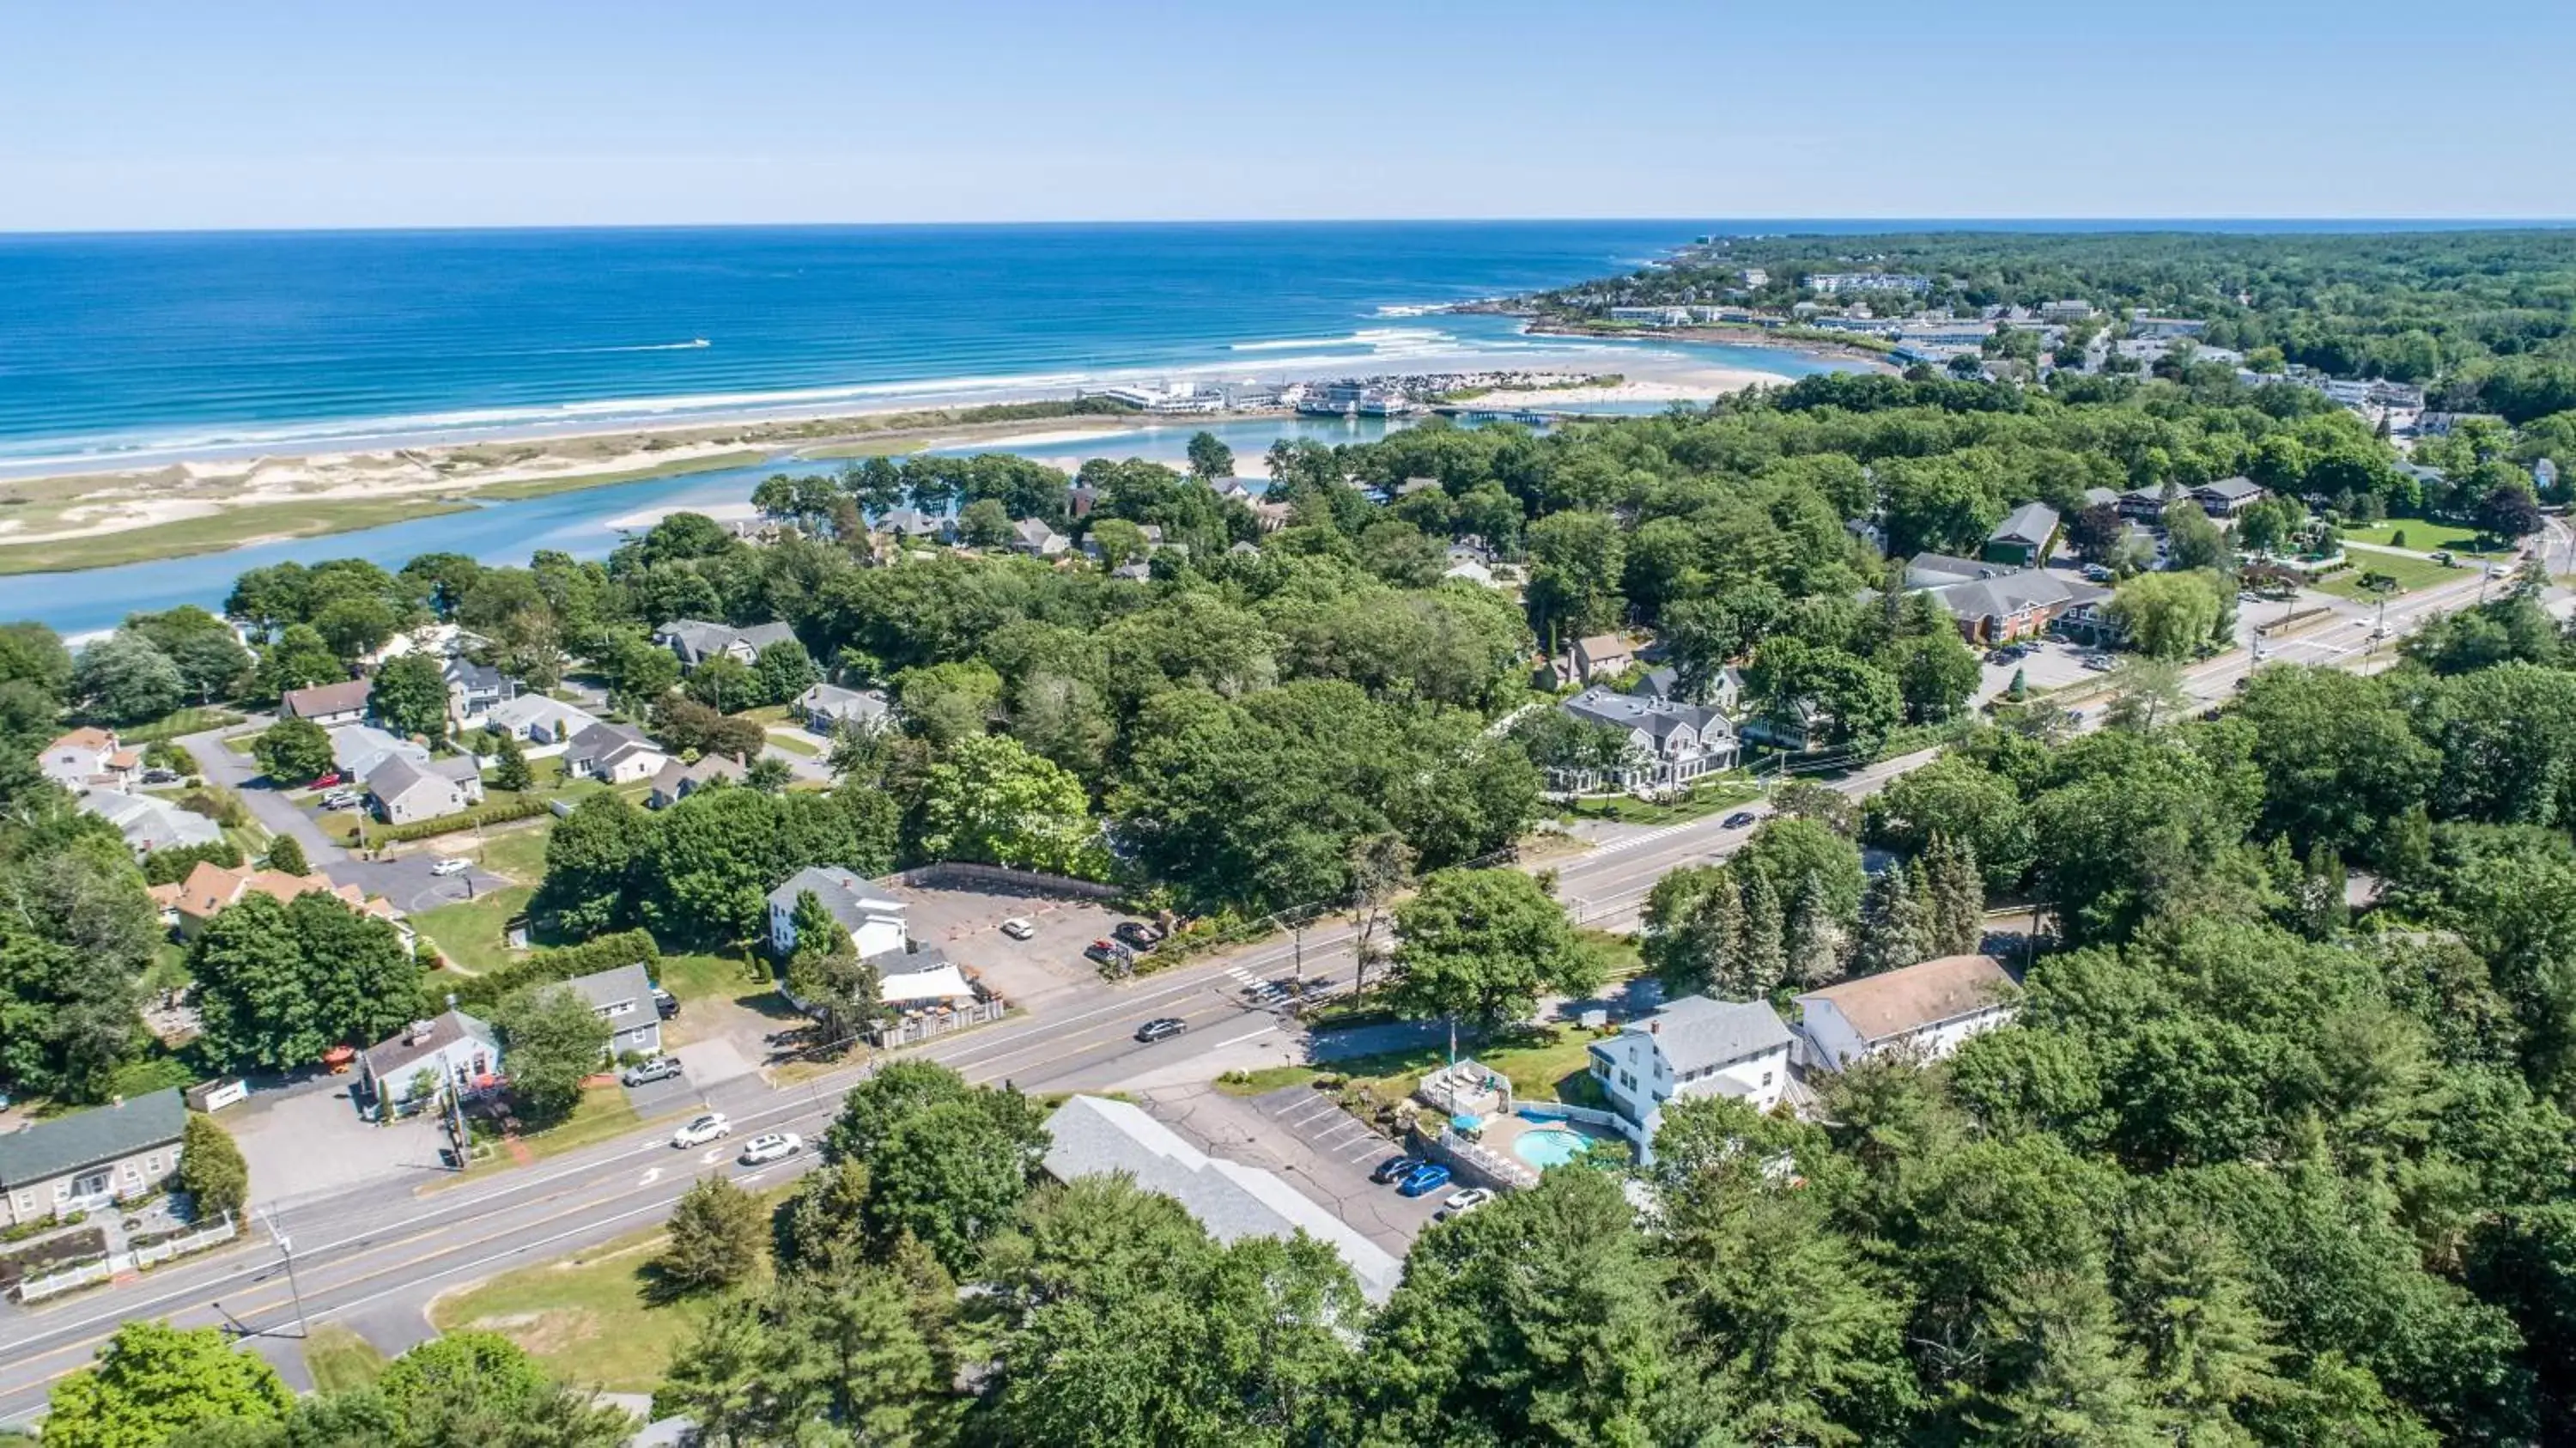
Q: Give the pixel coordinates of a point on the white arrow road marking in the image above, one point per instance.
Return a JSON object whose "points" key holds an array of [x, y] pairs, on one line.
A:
{"points": [[651, 1175], [713, 1155]]}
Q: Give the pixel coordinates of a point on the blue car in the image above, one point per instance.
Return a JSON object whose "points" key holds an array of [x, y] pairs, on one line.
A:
{"points": [[1426, 1178]]}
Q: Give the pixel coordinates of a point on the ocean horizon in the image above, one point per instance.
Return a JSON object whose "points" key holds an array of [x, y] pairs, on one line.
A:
{"points": [[135, 349]]}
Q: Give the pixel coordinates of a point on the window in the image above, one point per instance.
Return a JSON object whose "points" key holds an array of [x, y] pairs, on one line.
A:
{"points": [[1627, 1080], [1766, 1078], [617, 1008]]}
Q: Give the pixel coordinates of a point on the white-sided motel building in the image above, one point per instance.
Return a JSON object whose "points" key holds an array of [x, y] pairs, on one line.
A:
{"points": [[1922, 1011], [875, 922], [1695, 1046], [88, 1160]]}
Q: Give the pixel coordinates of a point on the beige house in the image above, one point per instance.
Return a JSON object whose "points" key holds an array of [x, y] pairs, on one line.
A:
{"points": [[210, 889], [1921, 1012]]}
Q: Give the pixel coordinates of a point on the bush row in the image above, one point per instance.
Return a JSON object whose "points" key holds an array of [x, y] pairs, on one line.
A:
{"points": [[546, 967], [490, 814]]}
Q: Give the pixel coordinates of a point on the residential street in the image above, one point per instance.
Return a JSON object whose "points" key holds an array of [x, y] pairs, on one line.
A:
{"points": [[375, 1256]]}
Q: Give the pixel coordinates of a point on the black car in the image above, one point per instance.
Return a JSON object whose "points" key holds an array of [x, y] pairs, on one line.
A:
{"points": [[665, 1004], [1136, 934], [1740, 819], [1161, 1028], [1394, 1168]]}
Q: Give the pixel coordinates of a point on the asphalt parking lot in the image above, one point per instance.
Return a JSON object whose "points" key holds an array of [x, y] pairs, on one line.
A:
{"points": [[967, 923], [1298, 1132], [2048, 664]]}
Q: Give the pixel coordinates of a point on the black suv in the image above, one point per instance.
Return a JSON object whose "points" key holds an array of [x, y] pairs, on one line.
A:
{"points": [[1136, 935]]}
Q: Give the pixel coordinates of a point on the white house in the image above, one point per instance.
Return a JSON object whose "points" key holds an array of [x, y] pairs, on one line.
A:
{"points": [[1921, 1011], [875, 923], [826, 707], [623, 997], [406, 1072], [613, 754], [472, 690], [695, 641], [89, 756], [1670, 742], [1695, 1046], [538, 719]]}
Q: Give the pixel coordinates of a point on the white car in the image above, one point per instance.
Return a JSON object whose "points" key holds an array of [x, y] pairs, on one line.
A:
{"points": [[1459, 1204], [451, 866], [1019, 929], [702, 1130], [771, 1146]]}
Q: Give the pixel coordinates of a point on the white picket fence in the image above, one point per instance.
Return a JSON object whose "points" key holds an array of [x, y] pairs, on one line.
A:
{"points": [[37, 1289]]}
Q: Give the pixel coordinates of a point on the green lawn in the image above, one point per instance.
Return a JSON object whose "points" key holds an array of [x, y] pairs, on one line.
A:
{"points": [[468, 932], [798, 744], [1543, 1063], [590, 1318], [1707, 797], [232, 528], [2422, 535], [2412, 574], [340, 1360]]}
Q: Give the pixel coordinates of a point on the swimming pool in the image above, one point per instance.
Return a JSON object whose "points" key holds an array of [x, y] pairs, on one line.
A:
{"points": [[1547, 1146]]}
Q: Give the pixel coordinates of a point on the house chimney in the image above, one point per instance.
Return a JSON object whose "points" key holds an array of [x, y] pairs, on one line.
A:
{"points": [[1654, 1028]]}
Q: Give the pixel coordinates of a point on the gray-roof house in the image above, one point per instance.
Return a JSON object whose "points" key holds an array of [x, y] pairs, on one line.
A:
{"points": [[329, 705], [1091, 1136], [403, 791], [873, 919], [695, 640], [540, 720], [623, 997], [405, 1072], [2227, 497], [88, 1160], [1992, 604], [149, 824], [911, 523], [472, 690], [1033, 537], [826, 707], [613, 753], [2022, 538], [1695, 1046], [675, 781], [1670, 741]]}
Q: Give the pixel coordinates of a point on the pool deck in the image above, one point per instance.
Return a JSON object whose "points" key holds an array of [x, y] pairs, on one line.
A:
{"points": [[1503, 1133]]}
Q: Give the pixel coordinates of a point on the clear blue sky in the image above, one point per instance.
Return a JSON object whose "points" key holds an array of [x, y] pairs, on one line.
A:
{"points": [[147, 113]]}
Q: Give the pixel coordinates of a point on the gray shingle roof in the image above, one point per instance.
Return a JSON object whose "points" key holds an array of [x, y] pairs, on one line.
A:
{"points": [[1095, 1137], [102, 1134], [1660, 718], [604, 988], [387, 1059], [2010, 593], [1699, 1031], [327, 699], [2231, 488], [850, 899], [2031, 523]]}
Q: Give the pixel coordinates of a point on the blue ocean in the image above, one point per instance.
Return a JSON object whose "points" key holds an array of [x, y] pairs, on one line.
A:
{"points": [[118, 348], [139, 350]]}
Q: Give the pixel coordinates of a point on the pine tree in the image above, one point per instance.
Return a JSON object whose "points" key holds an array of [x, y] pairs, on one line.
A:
{"points": [[1717, 928], [1813, 942], [512, 772], [1762, 961], [716, 1238], [1894, 925], [1957, 896]]}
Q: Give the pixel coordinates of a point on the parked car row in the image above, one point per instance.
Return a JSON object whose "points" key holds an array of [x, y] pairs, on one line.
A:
{"points": [[1413, 1177]]}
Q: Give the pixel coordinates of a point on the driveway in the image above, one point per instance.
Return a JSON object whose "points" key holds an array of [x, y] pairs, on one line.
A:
{"points": [[407, 882], [664, 1097], [280, 815], [307, 1139]]}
